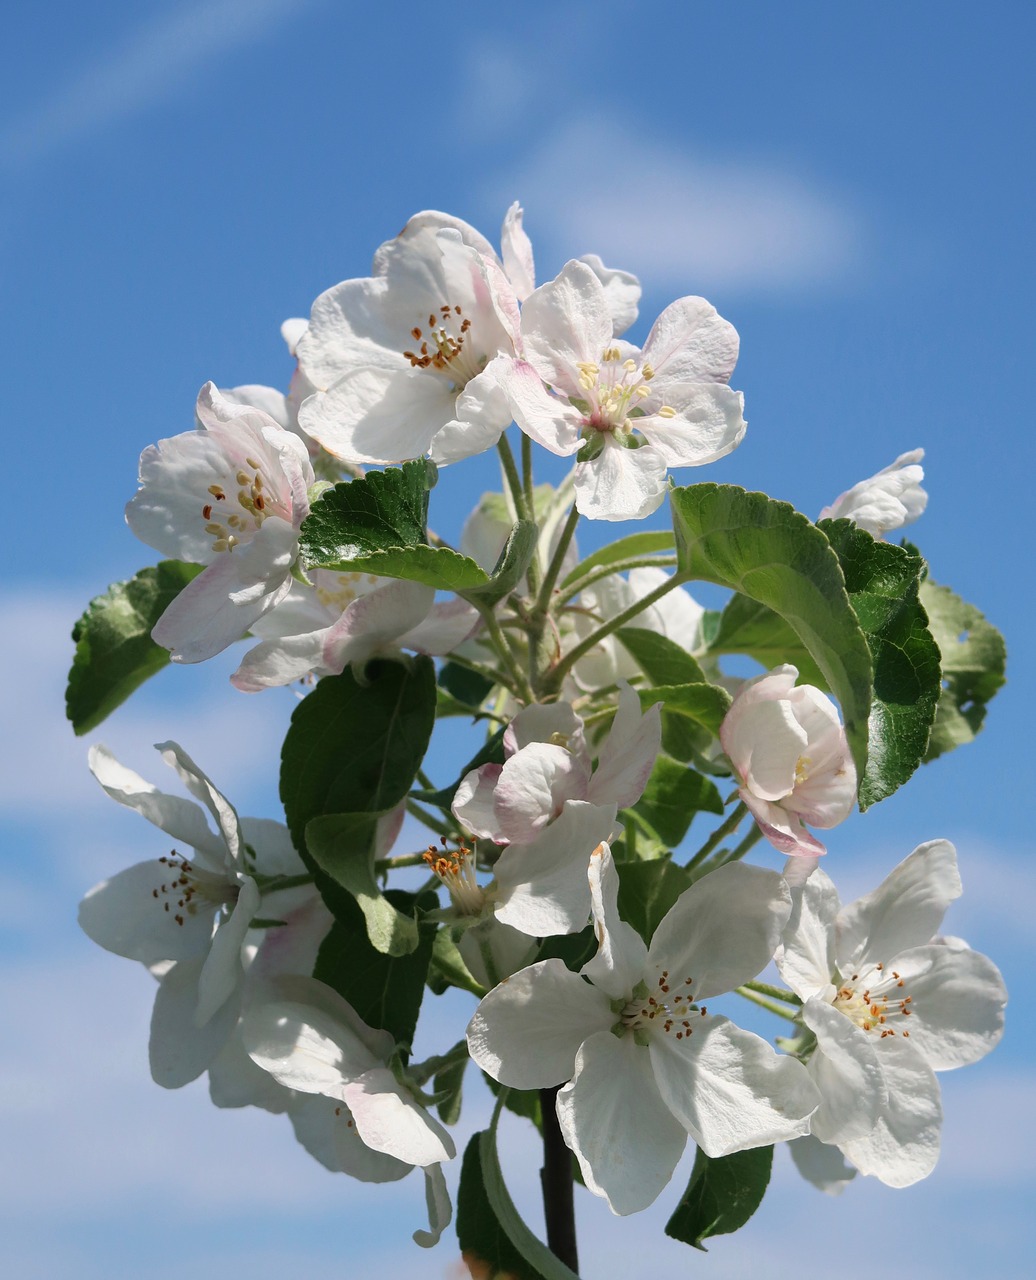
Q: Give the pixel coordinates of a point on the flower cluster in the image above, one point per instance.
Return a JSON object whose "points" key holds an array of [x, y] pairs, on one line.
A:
{"points": [[594, 941]]}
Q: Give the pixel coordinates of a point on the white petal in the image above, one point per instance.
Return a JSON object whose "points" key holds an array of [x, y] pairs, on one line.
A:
{"points": [[388, 1120], [628, 753], [482, 414], [729, 1089], [565, 322], [527, 1031], [543, 887], [690, 342], [440, 1210], [621, 291], [621, 956], [764, 742], [621, 484], [539, 722], [806, 958], [473, 803], [127, 915], [846, 1070], [551, 422], [904, 911], [304, 1047], [957, 1004], [516, 251], [180, 1050], [533, 787], [236, 1081], [326, 1129], [223, 972], [820, 1164], [624, 1137], [722, 930], [783, 829], [271, 664], [903, 1146], [708, 424]]}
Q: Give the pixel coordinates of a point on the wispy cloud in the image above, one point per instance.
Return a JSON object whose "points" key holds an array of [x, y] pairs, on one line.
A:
{"points": [[675, 217], [150, 64]]}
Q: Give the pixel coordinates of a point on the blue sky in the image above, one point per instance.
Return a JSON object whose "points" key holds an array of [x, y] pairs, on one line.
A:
{"points": [[853, 189]]}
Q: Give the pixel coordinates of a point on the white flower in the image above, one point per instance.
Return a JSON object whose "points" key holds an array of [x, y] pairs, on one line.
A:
{"points": [[345, 618], [792, 759], [604, 393], [889, 1003], [548, 763], [403, 361], [885, 501], [647, 1064], [312, 1041], [191, 909], [232, 496]]}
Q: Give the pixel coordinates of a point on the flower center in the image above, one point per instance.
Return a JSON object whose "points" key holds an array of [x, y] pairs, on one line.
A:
{"points": [[230, 521], [338, 590], [446, 346], [663, 1009], [190, 890], [614, 388], [457, 873], [875, 1001]]}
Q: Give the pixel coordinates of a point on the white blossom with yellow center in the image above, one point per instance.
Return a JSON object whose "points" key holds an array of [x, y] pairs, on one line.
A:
{"points": [[889, 1004]]}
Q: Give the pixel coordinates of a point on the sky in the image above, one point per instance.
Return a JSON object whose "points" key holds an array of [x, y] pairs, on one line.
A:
{"points": [[851, 186]]}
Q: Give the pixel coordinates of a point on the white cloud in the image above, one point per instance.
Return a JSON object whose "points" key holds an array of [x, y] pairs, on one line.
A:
{"points": [[149, 65], [675, 218]]}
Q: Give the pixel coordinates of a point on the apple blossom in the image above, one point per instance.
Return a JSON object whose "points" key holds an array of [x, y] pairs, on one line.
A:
{"points": [[230, 495], [311, 1040], [791, 757], [889, 1004], [647, 1064], [349, 617], [579, 391], [283, 409], [404, 362], [885, 501]]}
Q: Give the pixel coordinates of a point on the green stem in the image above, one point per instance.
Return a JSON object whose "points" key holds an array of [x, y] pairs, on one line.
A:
{"points": [[753, 837], [777, 993], [617, 566], [527, 482], [565, 665], [556, 561], [521, 686], [400, 860], [514, 482], [763, 1003], [423, 1071], [430, 820], [271, 884], [721, 832], [425, 781]]}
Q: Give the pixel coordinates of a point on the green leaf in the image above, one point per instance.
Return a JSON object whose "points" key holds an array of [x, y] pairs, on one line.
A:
{"points": [[647, 890], [662, 660], [510, 567], [974, 659], [114, 650], [470, 688], [636, 544], [748, 627], [520, 1102], [342, 844], [673, 795], [355, 748], [883, 581], [490, 1232], [773, 554], [721, 1195], [704, 704], [448, 968], [573, 949], [386, 991], [448, 1085]]}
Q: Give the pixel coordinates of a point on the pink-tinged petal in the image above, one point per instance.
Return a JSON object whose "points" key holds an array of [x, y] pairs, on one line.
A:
{"points": [[372, 415], [821, 1165], [729, 1089], [127, 915], [885, 501], [180, 1050], [806, 956], [628, 753], [624, 1137], [273, 663], [446, 626], [621, 291], [482, 414], [516, 251], [621, 958], [564, 323], [533, 787], [374, 623], [473, 805], [957, 999], [621, 484], [783, 829], [903, 1146], [846, 1069], [436, 221], [904, 911], [176, 816], [388, 1120], [542, 888], [223, 971], [690, 342], [221, 603], [721, 931], [527, 1031], [707, 425], [325, 1128], [551, 422], [293, 946], [764, 742]]}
